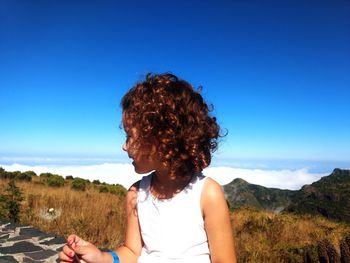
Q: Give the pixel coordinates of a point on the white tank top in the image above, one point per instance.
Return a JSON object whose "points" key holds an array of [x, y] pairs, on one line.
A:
{"points": [[172, 229]]}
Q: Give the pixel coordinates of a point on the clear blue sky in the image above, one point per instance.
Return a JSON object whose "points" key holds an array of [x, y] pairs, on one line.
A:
{"points": [[277, 72]]}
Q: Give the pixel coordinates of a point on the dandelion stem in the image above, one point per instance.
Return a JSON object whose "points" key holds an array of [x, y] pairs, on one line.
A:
{"points": [[51, 211], [62, 234]]}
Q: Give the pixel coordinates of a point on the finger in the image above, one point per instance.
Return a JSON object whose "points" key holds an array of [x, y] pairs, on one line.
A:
{"points": [[64, 257], [72, 237], [74, 241], [68, 251]]}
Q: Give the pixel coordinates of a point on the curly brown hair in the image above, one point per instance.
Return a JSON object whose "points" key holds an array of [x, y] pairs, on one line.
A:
{"points": [[169, 114]]}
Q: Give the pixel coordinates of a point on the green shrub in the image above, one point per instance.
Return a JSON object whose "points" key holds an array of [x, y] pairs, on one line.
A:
{"points": [[117, 189], [3, 212], [9, 175], [96, 182], [69, 177], [10, 203], [3, 173], [79, 184], [46, 175], [103, 189], [54, 180], [26, 176]]}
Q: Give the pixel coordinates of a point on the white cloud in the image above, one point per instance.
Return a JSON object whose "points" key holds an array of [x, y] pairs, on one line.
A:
{"points": [[283, 179], [125, 175]]}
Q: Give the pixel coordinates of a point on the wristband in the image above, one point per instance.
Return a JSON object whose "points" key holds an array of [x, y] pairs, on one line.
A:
{"points": [[114, 255]]}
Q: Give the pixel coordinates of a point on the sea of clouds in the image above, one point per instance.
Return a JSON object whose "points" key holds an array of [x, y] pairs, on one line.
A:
{"points": [[124, 174]]}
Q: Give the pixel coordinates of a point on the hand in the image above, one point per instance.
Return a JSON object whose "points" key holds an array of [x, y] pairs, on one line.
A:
{"points": [[78, 248]]}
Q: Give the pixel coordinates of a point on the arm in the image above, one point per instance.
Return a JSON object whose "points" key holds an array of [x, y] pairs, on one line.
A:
{"points": [[217, 223], [133, 241], [128, 253]]}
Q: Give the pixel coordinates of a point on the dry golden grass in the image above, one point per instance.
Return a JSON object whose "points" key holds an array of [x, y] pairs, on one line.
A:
{"points": [[97, 217], [269, 237]]}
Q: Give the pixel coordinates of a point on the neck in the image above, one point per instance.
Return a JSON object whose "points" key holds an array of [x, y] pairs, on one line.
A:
{"points": [[165, 186]]}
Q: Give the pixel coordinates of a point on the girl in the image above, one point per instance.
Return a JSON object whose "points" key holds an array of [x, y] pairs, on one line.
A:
{"points": [[174, 214]]}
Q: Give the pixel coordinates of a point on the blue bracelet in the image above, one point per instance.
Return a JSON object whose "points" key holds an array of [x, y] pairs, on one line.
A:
{"points": [[115, 256]]}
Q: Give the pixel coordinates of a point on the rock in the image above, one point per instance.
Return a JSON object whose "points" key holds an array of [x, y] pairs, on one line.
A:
{"points": [[20, 243]]}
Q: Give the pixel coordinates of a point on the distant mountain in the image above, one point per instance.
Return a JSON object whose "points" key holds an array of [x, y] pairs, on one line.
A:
{"points": [[329, 197], [241, 193]]}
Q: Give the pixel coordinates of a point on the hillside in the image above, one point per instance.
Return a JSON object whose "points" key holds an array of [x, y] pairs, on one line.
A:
{"points": [[328, 197], [240, 193]]}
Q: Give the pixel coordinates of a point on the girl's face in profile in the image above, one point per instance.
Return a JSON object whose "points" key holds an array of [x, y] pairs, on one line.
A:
{"points": [[143, 159]]}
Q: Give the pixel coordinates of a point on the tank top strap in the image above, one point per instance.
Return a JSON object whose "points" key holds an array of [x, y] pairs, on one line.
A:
{"points": [[198, 185], [146, 182], [144, 188]]}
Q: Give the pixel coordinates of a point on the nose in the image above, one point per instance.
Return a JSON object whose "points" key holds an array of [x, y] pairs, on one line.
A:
{"points": [[125, 147]]}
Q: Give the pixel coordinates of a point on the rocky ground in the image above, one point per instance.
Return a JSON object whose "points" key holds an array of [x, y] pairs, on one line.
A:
{"points": [[20, 243]]}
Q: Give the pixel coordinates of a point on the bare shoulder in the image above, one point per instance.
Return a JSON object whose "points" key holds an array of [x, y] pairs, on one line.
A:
{"points": [[135, 187], [212, 195], [131, 196], [212, 189]]}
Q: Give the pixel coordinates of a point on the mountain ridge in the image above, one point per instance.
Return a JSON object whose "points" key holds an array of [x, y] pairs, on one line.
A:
{"points": [[329, 196]]}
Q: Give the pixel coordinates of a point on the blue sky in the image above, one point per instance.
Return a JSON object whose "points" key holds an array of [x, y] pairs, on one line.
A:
{"points": [[277, 73]]}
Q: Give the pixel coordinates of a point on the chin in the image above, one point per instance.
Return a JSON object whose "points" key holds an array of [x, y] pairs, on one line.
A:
{"points": [[140, 171]]}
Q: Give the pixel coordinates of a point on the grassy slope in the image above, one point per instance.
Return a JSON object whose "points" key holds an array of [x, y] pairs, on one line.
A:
{"points": [[99, 217]]}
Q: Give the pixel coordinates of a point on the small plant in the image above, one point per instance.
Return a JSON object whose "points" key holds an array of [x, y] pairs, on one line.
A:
{"points": [[327, 252], [345, 249], [50, 214], [310, 254], [11, 202]]}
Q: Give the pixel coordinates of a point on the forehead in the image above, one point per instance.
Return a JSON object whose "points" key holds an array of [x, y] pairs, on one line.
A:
{"points": [[127, 124]]}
